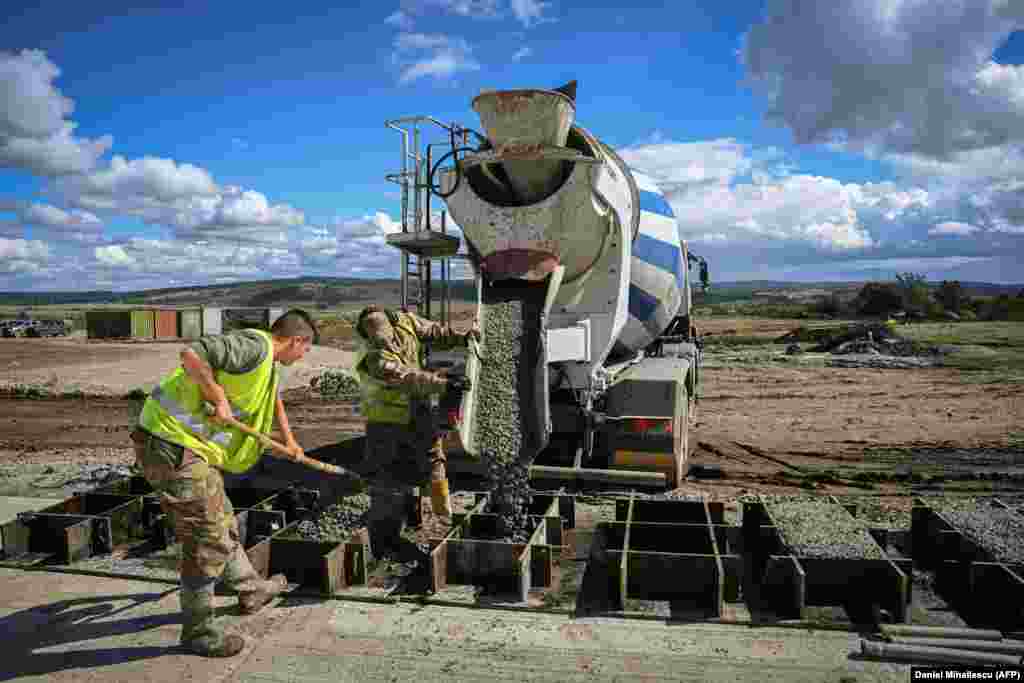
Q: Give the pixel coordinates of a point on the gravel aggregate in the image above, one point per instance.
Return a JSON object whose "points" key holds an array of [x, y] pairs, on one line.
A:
{"points": [[998, 530], [499, 422], [883, 516], [818, 528], [507, 433], [337, 522], [340, 385]]}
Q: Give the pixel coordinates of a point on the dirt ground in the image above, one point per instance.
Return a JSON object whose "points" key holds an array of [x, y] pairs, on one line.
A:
{"points": [[115, 368], [767, 426]]}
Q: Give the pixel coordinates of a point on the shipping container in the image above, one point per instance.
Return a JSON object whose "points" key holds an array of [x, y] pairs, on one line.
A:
{"points": [[190, 324], [165, 324], [108, 324], [245, 319], [142, 324], [212, 321]]}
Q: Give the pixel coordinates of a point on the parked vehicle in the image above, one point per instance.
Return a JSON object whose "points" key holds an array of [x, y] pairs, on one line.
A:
{"points": [[47, 328]]}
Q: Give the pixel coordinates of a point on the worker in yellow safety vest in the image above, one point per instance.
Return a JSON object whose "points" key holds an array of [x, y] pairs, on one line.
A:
{"points": [[181, 449], [403, 449]]}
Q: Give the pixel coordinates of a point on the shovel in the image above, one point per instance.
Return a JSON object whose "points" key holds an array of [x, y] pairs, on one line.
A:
{"points": [[267, 442]]}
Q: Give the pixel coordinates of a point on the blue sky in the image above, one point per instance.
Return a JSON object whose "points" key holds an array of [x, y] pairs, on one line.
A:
{"points": [[795, 139]]}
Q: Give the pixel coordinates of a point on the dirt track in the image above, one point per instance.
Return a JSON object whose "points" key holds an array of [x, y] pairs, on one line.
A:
{"points": [[115, 368]]}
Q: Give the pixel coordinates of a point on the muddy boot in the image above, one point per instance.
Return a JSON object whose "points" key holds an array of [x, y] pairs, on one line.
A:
{"points": [[253, 590], [199, 634]]}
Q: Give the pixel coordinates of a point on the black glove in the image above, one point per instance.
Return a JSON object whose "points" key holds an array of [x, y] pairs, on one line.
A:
{"points": [[458, 383]]}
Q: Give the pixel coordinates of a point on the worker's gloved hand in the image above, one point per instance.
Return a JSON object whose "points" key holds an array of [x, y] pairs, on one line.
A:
{"points": [[474, 333], [458, 383]]}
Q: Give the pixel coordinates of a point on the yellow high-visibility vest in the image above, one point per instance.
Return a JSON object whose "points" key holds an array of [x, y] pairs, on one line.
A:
{"points": [[380, 401], [175, 412]]}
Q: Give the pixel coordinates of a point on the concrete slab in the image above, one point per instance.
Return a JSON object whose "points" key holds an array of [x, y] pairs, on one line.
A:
{"points": [[65, 627], [10, 506]]}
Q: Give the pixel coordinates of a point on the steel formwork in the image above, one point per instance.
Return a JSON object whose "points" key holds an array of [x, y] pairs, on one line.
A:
{"points": [[124, 518], [791, 583], [968, 573], [471, 554], [671, 550], [653, 557]]}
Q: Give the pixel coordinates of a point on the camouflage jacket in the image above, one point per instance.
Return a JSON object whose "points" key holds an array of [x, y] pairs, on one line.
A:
{"points": [[399, 361]]}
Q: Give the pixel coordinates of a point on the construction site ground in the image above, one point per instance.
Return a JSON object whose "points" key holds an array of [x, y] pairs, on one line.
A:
{"points": [[772, 427]]}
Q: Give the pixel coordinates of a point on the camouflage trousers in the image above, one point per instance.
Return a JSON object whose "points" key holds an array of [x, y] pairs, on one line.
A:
{"points": [[397, 460], [193, 497]]}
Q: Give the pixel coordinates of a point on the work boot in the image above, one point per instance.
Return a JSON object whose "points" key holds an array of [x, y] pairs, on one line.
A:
{"points": [[199, 633], [440, 500], [253, 590]]}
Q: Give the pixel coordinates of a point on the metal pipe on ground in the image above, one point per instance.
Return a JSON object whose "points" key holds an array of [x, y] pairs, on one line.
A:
{"points": [[1000, 646], [937, 655], [940, 632]]}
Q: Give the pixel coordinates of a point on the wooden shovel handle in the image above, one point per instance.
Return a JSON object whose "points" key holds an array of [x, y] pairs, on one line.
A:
{"points": [[267, 442]]}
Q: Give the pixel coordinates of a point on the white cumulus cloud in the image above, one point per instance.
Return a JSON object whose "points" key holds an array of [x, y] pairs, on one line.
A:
{"points": [[421, 55], [22, 256], [35, 134], [953, 228], [897, 76], [113, 255], [530, 12]]}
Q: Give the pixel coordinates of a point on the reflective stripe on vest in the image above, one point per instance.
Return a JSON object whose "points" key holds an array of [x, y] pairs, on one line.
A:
{"points": [[175, 412], [178, 412]]}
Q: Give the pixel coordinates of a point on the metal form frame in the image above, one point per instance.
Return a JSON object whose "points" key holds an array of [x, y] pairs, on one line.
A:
{"points": [[74, 529], [418, 255], [323, 567], [792, 583], [126, 514], [668, 550], [467, 556], [986, 590]]}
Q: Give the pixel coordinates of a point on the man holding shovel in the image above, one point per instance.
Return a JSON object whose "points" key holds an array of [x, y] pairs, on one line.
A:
{"points": [[184, 441]]}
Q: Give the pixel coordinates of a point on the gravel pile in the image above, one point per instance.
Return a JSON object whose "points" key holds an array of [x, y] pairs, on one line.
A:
{"points": [[337, 384], [883, 517], [818, 528], [337, 521], [998, 530]]}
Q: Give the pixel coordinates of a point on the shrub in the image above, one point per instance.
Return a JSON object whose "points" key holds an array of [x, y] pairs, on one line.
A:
{"points": [[878, 298]]}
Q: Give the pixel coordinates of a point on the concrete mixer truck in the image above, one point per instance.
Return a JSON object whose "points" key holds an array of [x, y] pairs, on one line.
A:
{"points": [[582, 291]]}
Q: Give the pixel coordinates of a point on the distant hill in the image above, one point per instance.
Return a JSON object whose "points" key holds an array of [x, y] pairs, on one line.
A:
{"points": [[310, 292], [337, 292]]}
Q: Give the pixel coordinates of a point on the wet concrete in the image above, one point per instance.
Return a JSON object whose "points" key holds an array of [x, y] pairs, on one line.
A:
{"points": [[63, 627]]}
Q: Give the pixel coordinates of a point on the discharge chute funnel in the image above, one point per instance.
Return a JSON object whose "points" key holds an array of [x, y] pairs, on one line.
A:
{"points": [[523, 125]]}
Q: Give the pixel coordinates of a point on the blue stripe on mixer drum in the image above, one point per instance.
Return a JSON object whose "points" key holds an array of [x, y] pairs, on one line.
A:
{"points": [[655, 203], [641, 304], [659, 254]]}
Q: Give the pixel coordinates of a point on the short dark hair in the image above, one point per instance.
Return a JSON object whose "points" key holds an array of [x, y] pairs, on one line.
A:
{"points": [[295, 323], [366, 312]]}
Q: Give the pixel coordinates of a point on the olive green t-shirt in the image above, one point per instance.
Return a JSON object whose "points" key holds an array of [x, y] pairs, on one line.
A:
{"points": [[235, 352]]}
